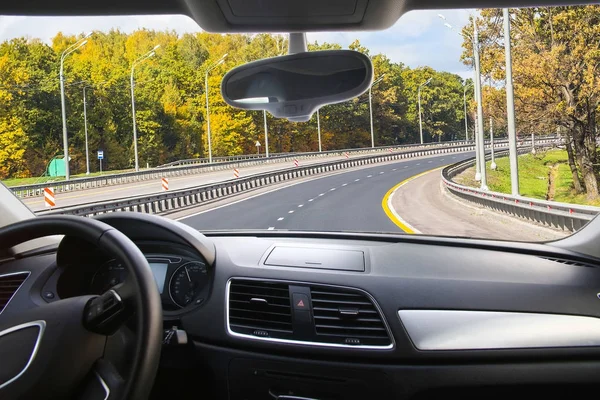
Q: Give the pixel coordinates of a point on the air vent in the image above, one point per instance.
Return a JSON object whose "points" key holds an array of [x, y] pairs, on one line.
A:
{"points": [[261, 309], [567, 262], [9, 284], [344, 316]]}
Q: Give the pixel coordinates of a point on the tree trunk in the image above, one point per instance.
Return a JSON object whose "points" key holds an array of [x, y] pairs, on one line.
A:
{"points": [[577, 185], [585, 159]]}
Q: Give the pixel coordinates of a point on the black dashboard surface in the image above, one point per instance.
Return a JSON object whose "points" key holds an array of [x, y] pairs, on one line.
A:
{"points": [[552, 292]]}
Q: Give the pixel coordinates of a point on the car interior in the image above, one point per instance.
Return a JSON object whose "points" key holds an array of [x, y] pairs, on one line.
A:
{"points": [[134, 306]]}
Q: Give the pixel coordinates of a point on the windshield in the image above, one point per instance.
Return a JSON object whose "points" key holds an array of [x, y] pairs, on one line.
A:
{"points": [[461, 133]]}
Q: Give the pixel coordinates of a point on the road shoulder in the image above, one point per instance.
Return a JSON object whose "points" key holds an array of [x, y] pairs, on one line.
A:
{"points": [[425, 206]]}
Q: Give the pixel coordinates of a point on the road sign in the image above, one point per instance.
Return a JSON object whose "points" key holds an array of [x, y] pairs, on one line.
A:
{"points": [[100, 155], [257, 144]]}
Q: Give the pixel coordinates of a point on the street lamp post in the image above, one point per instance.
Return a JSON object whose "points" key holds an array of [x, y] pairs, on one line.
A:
{"points": [[466, 119], [65, 53], [139, 60], [319, 130], [510, 109], [87, 152], [266, 134], [419, 99], [215, 65], [478, 131], [493, 164], [481, 150], [371, 108]]}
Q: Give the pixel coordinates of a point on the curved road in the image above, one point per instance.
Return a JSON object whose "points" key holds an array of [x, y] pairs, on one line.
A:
{"points": [[116, 191], [347, 201]]}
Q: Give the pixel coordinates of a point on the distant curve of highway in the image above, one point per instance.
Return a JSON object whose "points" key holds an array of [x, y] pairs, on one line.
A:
{"points": [[348, 201]]}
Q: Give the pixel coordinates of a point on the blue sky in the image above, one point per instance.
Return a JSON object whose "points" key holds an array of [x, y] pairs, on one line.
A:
{"points": [[419, 38]]}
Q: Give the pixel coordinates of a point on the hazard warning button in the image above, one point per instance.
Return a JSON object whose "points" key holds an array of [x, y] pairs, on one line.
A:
{"points": [[300, 301]]}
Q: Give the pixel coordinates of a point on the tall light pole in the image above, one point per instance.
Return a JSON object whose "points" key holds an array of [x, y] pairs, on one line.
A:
{"points": [[466, 119], [480, 136], [266, 134], [371, 107], [420, 117], [493, 164], [478, 132], [65, 53], [510, 109], [319, 130], [210, 68], [87, 151], [139, 60]]}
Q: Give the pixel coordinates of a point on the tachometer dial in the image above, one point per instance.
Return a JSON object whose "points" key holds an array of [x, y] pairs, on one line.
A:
{"points": [[108, 275], [187, 283]]}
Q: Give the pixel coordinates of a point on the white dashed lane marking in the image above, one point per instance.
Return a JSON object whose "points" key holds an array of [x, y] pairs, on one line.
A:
{"points": [[310, 200], [280, 219], [271, 228], [356, 180], [345, 184], [291, 212], [322, 194], [332, 189], [300, 205], [369, 176]]}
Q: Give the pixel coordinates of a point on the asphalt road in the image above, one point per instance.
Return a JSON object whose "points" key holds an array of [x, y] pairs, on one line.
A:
{"points": [[148, 187], [348, 201]]}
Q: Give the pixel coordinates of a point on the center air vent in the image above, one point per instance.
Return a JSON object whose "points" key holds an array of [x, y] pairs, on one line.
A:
{"points": [[345, 316], [9, 284], [261, 309]]}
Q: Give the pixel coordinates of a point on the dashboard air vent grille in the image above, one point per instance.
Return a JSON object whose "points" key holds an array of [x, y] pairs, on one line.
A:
{"points": [[260, 309], [9, 284], [344, 316], [567, 262]]}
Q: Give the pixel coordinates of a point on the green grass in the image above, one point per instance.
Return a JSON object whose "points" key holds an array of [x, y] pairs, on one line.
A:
{"points": [[533, 177], [44, 179]]}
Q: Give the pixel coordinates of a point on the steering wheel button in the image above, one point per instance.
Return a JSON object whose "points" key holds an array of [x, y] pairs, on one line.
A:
{"points": [[48, 295]]}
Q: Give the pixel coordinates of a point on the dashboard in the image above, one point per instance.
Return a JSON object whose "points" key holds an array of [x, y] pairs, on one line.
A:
{"points": [[338, 316], [182, 273]]}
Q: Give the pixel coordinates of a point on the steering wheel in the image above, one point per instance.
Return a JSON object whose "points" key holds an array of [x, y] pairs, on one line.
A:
{"points": [[57, 350]]}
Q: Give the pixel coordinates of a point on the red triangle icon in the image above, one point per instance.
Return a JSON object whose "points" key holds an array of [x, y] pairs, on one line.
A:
{"points": [[300, 303]]}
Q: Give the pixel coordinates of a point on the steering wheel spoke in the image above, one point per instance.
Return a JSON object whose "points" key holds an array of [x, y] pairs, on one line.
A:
{"points": [[102, 383]]}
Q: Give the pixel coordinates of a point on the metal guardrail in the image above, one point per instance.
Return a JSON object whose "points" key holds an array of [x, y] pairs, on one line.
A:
{"points": [[193, 161], [34, 190], [171, 201], [565, 216]]}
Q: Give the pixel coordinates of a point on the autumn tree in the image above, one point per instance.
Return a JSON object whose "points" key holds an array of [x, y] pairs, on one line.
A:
{"points": [[556, 55]]}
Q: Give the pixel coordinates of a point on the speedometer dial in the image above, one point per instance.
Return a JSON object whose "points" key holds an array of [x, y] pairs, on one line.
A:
{"points": [[187, 283]]}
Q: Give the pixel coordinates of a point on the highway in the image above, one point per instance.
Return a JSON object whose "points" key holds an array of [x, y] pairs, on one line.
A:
{"points": [[148, 187], [347, 201]]}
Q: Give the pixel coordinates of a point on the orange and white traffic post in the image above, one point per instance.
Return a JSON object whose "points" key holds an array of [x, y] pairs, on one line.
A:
{"points": [[49, 197], [165, 184], [236, 173], [296, 163]]}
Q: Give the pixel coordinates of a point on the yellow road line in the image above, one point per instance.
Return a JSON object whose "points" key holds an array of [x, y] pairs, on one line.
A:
{"points": [[392, 215]]}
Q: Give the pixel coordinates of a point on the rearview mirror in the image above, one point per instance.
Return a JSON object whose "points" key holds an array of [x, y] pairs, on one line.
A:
{"points": [[297, 85]]}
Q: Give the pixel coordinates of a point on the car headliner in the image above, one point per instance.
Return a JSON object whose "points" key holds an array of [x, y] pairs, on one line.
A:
{"points": [[266, 15]]}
